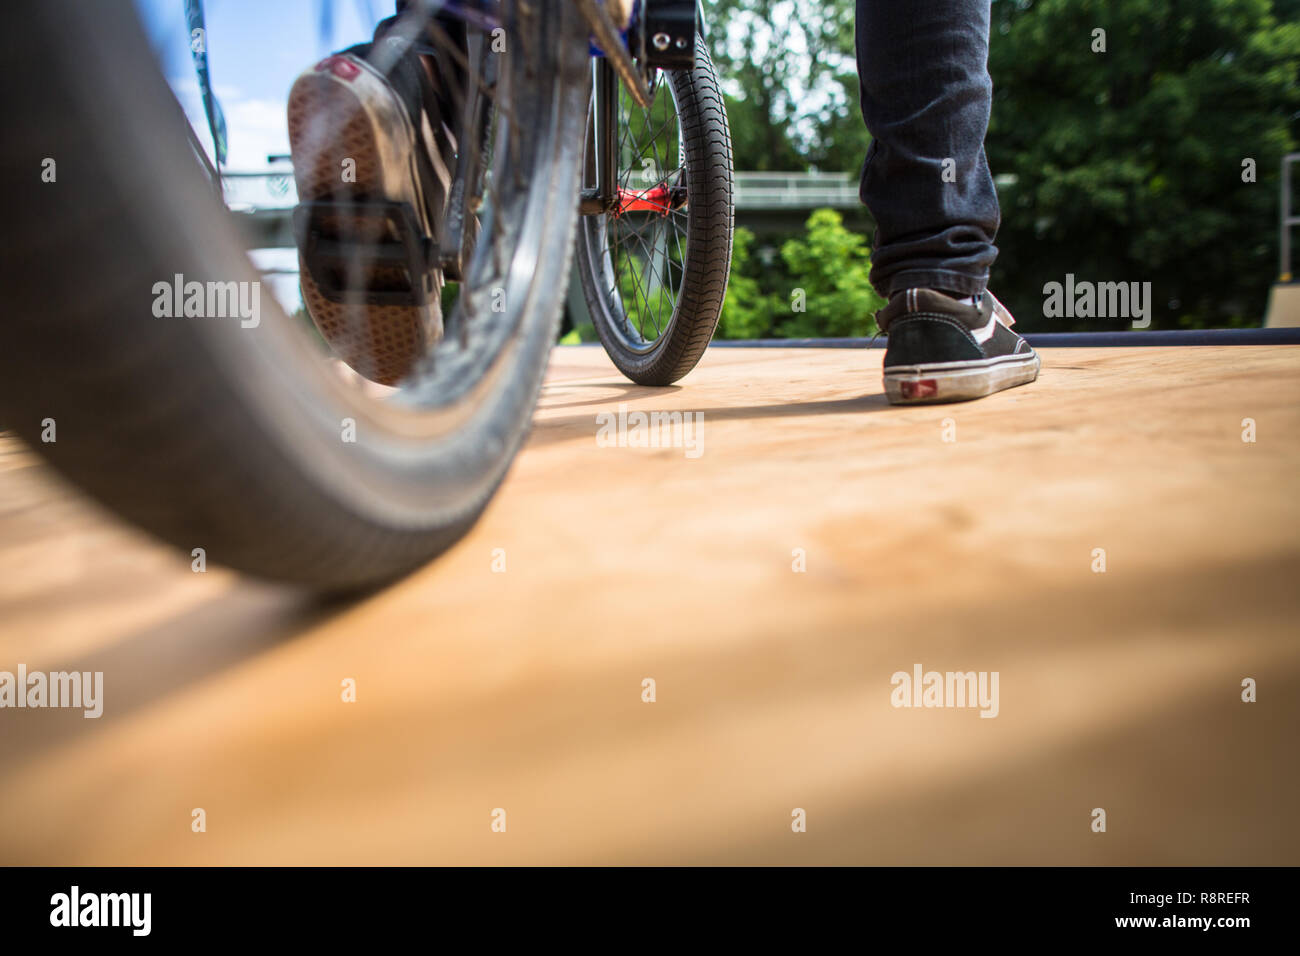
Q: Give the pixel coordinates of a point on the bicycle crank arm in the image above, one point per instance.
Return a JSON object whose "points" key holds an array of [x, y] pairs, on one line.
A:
{"points": [[606, 34]]}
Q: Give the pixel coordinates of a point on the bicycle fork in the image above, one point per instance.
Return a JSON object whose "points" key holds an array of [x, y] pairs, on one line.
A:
{"points": [[602, 142]]}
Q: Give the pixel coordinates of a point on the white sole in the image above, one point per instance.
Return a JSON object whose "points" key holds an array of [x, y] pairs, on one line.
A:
{"points": [[958, 381]]}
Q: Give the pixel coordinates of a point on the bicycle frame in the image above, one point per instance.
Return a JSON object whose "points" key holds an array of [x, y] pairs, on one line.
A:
{"points": [[661, 34]]}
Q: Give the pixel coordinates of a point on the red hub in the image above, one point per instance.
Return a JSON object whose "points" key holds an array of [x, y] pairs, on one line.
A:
{"points": [[656, 199]]}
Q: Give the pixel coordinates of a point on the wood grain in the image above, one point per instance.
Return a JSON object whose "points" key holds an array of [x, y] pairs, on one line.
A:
{"points": [[522, 690]]}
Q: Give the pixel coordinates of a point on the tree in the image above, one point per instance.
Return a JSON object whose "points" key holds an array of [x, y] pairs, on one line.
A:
{"points": [[789, 74], [1117, 166], [835, 297], [1127, 164], [747, 311], [821, 287]]}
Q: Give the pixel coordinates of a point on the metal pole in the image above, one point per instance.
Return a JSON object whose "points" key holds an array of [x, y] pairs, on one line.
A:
{"points": [[1286, 220]]}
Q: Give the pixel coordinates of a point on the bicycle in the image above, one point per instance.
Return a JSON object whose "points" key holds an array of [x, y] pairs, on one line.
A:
{"points": [[248, 440]]}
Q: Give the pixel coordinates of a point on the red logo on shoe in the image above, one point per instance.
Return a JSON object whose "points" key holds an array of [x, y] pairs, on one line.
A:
{"points": [[340, 66], [924, 388]]}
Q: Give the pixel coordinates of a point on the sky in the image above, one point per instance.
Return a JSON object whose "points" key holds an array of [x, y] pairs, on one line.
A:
{"points": [[255, 50]]}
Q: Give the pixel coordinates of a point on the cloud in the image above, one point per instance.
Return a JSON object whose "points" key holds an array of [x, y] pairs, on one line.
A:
{"points": [[254, 130]]}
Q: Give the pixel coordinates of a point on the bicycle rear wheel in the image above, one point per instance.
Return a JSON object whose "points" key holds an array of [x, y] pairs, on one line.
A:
{"points": [[241, 438]]}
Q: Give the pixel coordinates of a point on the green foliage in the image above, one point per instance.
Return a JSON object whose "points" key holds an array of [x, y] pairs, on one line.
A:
{"points": [[757, 144], [1127, 164], [647, 261], [842, 140], [1117, 166], [748, 310], [832, 264], [788, 70], [824, 289], [450, 293], [648, 138]]}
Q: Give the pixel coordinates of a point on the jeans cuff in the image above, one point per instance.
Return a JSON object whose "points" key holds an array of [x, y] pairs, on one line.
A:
{"points": [[941, 280]]}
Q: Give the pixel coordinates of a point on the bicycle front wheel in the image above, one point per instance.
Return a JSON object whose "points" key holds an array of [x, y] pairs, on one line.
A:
{"points": [[246, 438]]}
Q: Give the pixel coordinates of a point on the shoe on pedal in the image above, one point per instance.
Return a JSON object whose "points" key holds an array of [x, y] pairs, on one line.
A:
{"points": [[371, 159], [946, 349]]}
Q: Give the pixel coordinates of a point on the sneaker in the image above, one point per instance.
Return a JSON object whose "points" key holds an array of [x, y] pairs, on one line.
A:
{"points": [[945, 349], [359, 136]]}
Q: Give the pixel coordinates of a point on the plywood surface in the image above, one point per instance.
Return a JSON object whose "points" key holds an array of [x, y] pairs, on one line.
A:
{"points": [[522, 689]]}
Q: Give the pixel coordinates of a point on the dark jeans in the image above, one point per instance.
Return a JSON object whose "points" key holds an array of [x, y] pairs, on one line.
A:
{"points": [[926, 93]]}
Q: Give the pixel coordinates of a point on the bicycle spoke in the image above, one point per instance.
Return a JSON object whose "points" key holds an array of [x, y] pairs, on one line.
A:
{"points": [[642, 248]]}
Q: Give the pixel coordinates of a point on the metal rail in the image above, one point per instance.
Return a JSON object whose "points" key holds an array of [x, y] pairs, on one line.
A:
{"points": [[248, 191]]}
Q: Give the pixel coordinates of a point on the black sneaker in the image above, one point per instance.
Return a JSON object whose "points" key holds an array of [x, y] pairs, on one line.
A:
{"points": [[364, 140], [943, 349]]}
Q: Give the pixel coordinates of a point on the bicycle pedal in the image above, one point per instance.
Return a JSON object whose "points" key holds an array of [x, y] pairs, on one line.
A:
{"points": [[367, 253]]}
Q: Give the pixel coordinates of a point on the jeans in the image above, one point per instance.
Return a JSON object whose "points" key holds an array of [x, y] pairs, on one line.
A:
{"points": [[926, 92]]}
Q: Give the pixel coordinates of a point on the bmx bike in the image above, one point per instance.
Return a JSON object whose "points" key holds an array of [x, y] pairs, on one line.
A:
{"points": [[245, 436]]}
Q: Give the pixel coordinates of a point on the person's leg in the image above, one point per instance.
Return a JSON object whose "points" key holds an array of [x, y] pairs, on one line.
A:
{"points": [[926, 93]]}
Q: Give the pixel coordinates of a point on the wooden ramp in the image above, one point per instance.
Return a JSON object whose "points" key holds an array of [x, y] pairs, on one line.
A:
{"points": [[522, 689]]}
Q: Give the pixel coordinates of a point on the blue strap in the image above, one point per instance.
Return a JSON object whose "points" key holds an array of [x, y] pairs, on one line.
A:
{"points": [[199, 49]]}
